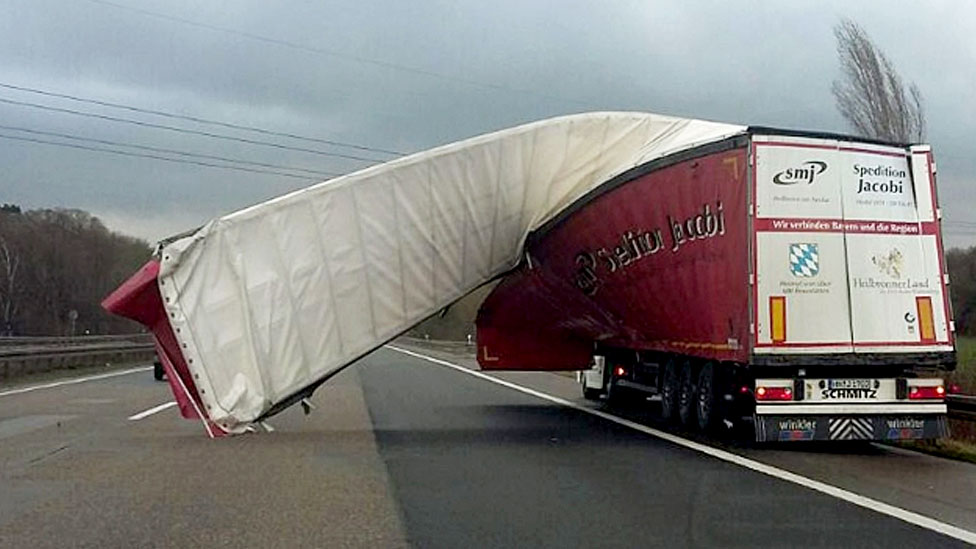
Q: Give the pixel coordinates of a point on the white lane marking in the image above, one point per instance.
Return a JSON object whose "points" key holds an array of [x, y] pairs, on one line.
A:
{"points": [[153, 410], [910, 517], [74, 381]]}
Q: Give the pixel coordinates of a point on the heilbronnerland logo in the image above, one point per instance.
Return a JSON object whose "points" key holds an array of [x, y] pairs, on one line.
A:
{"points": [[804, 173], [891, 263]]}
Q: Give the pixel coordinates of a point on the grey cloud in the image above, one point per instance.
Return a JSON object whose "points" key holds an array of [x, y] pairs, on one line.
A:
{"points": [[744, 62]]}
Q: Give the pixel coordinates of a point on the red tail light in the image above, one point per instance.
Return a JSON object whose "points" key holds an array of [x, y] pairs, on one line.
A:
{"points": [[620, 371], [774, 393], [926, 393]]}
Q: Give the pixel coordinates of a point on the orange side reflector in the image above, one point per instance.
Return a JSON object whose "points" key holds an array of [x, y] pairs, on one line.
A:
{"points": [[926, 322], [777, 318]]}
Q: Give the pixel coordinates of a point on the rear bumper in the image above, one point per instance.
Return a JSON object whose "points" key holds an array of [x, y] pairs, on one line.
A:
{"points": [[852, 408], [880, 427]]}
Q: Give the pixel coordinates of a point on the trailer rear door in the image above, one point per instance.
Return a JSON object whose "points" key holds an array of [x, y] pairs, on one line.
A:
{"points": [[846, 251], [894, 251]]}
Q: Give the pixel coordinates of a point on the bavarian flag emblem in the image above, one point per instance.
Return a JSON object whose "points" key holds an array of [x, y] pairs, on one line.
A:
{"points": [[804, 260]]}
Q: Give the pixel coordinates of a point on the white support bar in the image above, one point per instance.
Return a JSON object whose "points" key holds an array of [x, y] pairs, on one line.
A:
{"points": [[788, 408]]}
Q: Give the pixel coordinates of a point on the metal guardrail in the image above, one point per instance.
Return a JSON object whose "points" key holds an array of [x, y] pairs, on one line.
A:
{"points": [[63, 341], [24, 355], [962, 407], [7, 353]]}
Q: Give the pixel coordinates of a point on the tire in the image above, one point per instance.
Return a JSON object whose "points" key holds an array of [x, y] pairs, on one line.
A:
{"points": [[706, 410], [669, 391], [615, 394], [158, 371], [686, 395], [588, 393]]}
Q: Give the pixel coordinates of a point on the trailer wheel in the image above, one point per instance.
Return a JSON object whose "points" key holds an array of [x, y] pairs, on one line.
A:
{"points": [[686, 395], [613, 392], [669, 391], [706, 401], [158, 371]]}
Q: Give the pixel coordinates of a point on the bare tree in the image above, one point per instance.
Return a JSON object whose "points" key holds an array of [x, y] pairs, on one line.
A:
{"points": [[871, 95], [9, 265], [55, 261]]}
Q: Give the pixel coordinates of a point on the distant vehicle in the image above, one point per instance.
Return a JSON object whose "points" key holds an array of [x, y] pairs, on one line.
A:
{"points": [[791, 282], [158, 372]]}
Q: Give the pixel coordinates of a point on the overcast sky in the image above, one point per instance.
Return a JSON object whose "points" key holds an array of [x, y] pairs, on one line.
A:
{"points": [[409, 75]]}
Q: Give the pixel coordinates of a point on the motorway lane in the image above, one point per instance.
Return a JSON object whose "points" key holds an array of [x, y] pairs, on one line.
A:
{"points": [[399, 451], [932, 486], [74, 472], [474, 464]]}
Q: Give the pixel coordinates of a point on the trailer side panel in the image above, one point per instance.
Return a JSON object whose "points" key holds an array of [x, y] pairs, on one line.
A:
{"points": [[655, 264]]}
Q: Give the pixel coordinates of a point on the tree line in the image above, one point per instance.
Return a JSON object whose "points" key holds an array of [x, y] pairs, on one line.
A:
{"points": [[56, 266], [962, 277]]}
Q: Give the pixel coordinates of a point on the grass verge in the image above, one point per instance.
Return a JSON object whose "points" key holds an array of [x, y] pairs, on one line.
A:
{"points": [[965, 374], [961, 450]]}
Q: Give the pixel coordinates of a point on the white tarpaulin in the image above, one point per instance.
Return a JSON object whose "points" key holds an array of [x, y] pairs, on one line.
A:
{"points": [[268, 300]]}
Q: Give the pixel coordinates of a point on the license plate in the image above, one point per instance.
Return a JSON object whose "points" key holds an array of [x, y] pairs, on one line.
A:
{"points": [[850, 389], [852, 383]]}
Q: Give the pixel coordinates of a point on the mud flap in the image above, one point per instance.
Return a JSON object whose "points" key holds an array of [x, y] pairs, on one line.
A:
{"points": [[880, 427]]}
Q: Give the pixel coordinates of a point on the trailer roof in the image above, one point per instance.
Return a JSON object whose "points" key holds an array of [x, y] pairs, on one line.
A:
{"points": [[270, 300], [769, 130]]}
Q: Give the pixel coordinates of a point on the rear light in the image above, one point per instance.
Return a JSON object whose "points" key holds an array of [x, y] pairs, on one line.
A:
{"points": [[955, 389], [619, 371], [926, 393], [774, 393]]}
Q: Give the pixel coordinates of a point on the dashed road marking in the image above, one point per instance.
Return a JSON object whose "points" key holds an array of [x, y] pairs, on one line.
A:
{"points": [[153, 410]]}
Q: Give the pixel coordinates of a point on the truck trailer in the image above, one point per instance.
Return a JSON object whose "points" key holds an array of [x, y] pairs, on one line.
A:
{"points": [[794, 281], [791, 283]]}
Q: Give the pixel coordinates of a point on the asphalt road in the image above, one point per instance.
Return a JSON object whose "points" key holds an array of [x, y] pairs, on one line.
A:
{"points": [[403, 452]]}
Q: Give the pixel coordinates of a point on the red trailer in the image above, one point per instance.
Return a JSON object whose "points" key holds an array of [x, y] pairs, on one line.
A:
{"points": [[791, 282], [257, 308]]}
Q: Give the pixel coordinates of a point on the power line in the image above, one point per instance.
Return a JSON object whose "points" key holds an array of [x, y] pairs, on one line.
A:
{"points": [[154, 157], [167, 151], [336, 54], [959, 230], [197, 119], [183, 130]]}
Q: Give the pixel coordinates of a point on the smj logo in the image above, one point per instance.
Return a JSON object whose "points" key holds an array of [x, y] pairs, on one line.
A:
{"points": [[804, 260], [891, 264], [805, 173]]}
